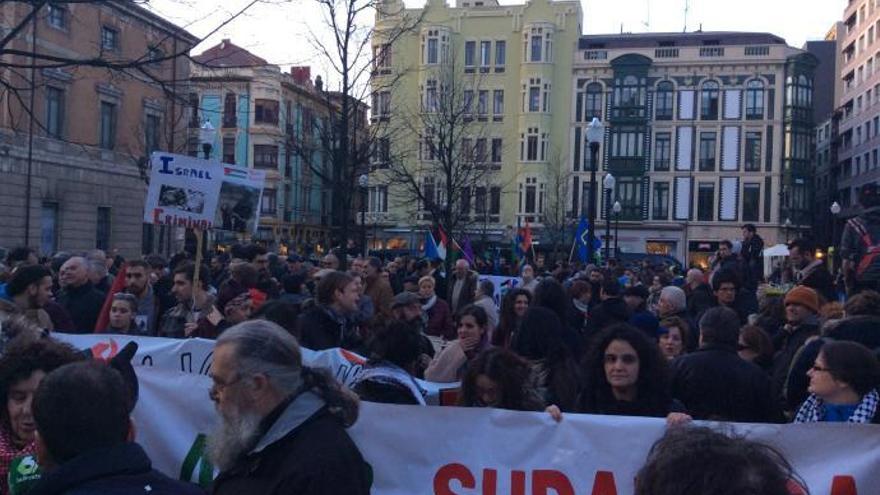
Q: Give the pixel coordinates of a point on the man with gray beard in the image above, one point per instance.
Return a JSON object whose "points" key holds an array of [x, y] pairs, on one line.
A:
{"points": [[282, 424]]}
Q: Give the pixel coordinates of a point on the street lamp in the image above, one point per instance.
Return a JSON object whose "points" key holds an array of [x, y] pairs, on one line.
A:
{"points": [[616, 209], [595, 135], [787, 229], [207, 133], [608, 182], [835, 211], [364, 182]]}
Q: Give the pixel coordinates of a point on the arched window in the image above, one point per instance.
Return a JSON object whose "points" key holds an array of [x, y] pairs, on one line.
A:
{"points": [[755, 99], [709, 101], [664, 101]]}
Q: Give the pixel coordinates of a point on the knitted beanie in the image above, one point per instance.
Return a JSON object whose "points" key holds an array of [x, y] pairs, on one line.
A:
{"points": [[804, 296]]}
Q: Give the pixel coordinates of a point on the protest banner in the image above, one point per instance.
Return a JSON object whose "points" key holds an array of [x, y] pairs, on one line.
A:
{"points": [[183, 191], [470, 451], [502, 285], [238, 207]]}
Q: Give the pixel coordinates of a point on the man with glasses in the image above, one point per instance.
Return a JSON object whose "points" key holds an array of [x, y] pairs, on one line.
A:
{"points": [[714, 383], [282, 427], [726, 285]]}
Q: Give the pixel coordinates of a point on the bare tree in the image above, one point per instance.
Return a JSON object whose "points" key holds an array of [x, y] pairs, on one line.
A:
{"points": [[444, 160], [338, 150], [557, 217]]}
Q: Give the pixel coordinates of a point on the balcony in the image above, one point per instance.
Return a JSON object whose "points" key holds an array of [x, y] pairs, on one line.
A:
{"points": [[712, 51], [666, 53]]}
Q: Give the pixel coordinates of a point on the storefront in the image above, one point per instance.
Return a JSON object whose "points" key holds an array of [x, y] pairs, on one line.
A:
{"points": [[699, 253]]}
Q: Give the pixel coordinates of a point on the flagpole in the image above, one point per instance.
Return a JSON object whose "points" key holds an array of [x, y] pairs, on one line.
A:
{"points": [[573, 244], [470, 260]]}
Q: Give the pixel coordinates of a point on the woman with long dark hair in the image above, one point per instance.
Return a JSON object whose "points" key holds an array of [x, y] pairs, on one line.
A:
{"points": [[501, 379], [551, 295], [513, 309], [626, 375], [540, 340]]}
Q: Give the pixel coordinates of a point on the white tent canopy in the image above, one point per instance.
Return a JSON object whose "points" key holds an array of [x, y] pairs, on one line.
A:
{"points": [[777, 250]]}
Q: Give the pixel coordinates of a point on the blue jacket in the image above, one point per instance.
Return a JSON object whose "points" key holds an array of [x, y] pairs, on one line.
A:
{"points": [[120, 470]]}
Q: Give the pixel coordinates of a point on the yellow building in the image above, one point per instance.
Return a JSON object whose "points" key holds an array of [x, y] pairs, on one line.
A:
{"points": [[512, 65]]}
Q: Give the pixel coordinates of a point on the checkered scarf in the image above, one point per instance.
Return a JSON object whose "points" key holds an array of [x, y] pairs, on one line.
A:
{"points": [[812, 409], [9, 452]]}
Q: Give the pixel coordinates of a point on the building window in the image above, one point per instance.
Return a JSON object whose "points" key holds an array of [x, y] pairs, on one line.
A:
{"points": [[229, 117], [381, 104], [799, 91], [627, 144], [470, 53], [497, 151], [494, 203], [630, 93], [485, 54], [49, 228], [382, 56], [665, 101], [500, 55], [660, 210], [531, 199], [538, 45], [752, 158], [707, 151], [266, 112], [532, 95], [629, 193], [229, 150], [152, 131], [709, 101], [662, 151], [429, 194], [706, 202], [378, 201], [102, 229], [54, 112], [750, 201], [533, 145], [155, 55], [265, 156], [483, 103], [109, 39], [755, 100], [498, 104], [480, 151], [592, 106], [108, 125], [57, 16], [269, 202]]}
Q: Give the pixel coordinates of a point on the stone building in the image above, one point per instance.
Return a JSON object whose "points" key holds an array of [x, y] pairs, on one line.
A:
{"points": [[705, 132], [96, 120]]}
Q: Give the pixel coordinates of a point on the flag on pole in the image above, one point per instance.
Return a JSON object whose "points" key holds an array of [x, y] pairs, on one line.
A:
{"points": [[525, 239], [431, 251], [467, 249], [442, 244], [582, 240]]}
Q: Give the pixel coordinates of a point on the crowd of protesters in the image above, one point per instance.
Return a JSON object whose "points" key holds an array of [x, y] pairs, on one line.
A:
{"points": [[637, 340]]}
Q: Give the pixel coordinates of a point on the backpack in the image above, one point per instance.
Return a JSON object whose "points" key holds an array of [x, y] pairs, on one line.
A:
{"points": [[872, 248]]}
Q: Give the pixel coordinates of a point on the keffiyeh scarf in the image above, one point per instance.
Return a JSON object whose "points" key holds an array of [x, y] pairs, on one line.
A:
{"points": [[813, 410]]}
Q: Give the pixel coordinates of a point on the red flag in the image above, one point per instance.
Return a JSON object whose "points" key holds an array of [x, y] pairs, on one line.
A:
{"points": [[525, 239], [104, 315]]}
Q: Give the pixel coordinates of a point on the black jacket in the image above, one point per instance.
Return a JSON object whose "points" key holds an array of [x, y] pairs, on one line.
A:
{"points": [[121, 470], [317, 330], [699, 300], [820, 279], [83, 304], [787, 345], [300, 453], [715, 384], [753, 261]]}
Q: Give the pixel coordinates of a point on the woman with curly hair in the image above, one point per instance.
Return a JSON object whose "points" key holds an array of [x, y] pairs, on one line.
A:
{"points": [[513, 308], [473, 338], [626, 375], [25, 362], [501, 379]]}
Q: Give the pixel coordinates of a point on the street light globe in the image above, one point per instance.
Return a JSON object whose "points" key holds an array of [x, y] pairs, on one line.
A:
{"points": [[609, 181], [788, 222], [616, 208], [364, 181], [207, 133], [835, 208], [595, 131]]}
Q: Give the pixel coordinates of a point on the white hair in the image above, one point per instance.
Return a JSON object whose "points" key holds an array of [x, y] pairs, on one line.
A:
{"points": [[675, 296]]}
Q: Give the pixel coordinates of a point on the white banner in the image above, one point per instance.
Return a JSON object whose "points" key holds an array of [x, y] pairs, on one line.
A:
{"points": [[502, 285], [183, 191], [446, 451]]}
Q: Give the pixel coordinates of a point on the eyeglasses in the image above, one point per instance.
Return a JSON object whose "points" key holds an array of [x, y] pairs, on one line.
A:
{"points": [[820, 368]]}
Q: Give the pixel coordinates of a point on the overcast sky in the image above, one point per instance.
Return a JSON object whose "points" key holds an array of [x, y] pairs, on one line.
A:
{"points": [[279, 33]]}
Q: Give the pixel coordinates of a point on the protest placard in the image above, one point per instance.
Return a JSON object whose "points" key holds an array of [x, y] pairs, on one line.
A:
{"points": [[183, 191], [238, 206]]}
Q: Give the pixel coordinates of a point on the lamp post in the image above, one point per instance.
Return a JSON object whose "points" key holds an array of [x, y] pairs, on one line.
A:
{"points": [[617, 209], [608, 182], [595, 135], [207, 133], [832, 249], [787, 229], [364, 183]]}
